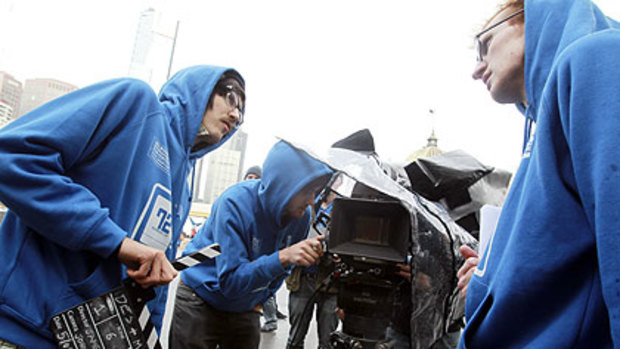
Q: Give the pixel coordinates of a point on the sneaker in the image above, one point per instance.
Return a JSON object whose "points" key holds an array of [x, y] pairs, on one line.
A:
{"points": [[269, 327], [280, 316]]}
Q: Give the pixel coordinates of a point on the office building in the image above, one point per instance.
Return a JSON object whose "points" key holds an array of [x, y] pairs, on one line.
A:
{"points": [[220, 169], [153, 48], [5, 114], [40, 91], [10, 95]]}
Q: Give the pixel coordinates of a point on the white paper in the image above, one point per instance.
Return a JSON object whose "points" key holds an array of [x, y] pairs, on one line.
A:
{"points": [[489, 215]]}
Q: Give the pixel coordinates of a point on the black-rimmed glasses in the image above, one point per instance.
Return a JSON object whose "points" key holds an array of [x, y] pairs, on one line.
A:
{"points": [[482, 46], [234, 101]]}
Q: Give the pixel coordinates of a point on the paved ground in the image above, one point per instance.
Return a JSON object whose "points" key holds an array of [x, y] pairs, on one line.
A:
{"points": [[272, 340], [277, 339]]}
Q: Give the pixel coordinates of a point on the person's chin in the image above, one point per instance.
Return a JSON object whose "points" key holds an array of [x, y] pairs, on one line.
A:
{"points": [[215, 137], [207, 140], [502, 98], [497, 95]]}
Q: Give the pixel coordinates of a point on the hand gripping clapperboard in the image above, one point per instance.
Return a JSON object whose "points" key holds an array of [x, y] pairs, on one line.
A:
{"points": [[120, 318]]}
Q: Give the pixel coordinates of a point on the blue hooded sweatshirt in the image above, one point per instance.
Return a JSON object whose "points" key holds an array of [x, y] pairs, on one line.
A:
{"points": [[81, 173], [550, 276], [246, 221]]}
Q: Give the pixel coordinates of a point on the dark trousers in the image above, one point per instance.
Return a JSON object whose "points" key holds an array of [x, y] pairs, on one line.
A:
{"points": [[196, 324], [325, 305]]}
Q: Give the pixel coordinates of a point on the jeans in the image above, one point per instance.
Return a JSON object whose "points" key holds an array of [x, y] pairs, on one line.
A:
{"points": [[327, 320], [196, 324], [270, 311]]}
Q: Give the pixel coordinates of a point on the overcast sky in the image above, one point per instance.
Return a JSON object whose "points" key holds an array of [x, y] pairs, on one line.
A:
{"points": [[316, 71]]}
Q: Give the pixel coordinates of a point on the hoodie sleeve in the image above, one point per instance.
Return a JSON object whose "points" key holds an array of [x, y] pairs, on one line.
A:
{"points": [[40, 151], [589, 102], [237, 274]]}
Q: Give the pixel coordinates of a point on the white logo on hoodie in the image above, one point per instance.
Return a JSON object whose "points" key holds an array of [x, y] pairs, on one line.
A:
{"points": [[527, 152]]}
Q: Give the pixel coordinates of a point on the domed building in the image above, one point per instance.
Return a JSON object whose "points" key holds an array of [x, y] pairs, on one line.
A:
{"points": [[428, 151]]}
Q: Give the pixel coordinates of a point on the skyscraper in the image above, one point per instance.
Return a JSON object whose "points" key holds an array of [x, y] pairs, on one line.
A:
{"points": [[5, 114], [152, 48], [220, 169], [40, 91], [10, 97]]}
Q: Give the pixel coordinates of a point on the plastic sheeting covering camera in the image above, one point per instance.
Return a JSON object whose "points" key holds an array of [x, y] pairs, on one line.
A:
{"points": [[461, 184], [434, 246]]}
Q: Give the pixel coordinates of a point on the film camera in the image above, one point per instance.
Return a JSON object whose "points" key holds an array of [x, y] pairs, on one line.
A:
{"points": [[369, 237], [384, 215]]}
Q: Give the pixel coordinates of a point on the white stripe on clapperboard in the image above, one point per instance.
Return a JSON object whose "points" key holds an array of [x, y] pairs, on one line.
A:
{"points": [[190, 261], [144, 317], [153, 340]]}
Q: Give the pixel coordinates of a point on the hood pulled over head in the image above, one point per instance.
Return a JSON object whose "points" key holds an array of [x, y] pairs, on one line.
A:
{"points": [[185, 97], [550, 27], [286, 171]]}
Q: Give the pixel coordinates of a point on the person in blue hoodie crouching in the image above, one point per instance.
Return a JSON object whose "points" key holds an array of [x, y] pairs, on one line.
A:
{"points": [[98, 178], [550, 275], [261, 226]]}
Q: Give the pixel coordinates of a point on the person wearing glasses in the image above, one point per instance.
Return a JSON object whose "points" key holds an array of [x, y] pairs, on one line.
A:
{"points": [[96, 186], [550, 275], [261, 226]]}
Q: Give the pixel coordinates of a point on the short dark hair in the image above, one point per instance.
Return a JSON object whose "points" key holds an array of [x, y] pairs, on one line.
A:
{"points": [[229, 79]]}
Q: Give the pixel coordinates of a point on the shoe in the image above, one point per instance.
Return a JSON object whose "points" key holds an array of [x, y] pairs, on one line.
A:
{"points": [[269, 327], [280, 316]]}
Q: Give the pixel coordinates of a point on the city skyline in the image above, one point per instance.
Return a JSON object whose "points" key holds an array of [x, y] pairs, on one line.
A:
{"points": [[315, 72]]}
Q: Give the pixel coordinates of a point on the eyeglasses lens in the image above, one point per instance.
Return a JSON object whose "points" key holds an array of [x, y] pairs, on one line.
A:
{"points": [[481, 49], [234, 101]]}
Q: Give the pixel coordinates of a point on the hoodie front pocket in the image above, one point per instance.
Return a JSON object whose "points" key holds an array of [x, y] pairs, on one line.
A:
{"points": [[103, 279]]}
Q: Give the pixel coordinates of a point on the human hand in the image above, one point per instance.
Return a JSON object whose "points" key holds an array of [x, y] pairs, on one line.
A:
{"points": [[467, 269], [146, 265], [404, 271], [303, 253]]}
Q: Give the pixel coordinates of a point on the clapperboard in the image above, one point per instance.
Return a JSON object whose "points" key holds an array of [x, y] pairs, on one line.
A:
{"points": [[118, 319]]}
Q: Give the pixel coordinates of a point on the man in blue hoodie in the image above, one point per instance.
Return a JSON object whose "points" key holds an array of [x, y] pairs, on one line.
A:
{"points": [[550, 275], [98, 178], [261, 226]]}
